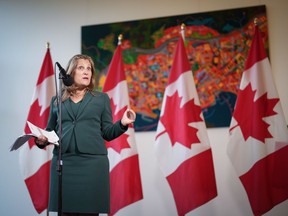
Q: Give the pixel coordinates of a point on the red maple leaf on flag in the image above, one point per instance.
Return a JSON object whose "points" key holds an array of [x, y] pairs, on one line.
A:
{"points": [[120, 142], [249, 114], [176, 120]]}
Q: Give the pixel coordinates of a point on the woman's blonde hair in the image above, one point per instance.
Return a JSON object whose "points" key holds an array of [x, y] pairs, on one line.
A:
{"points": [[72, 65]]}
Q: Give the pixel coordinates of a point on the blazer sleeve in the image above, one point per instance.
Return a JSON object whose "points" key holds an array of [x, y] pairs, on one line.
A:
{"points": [[51, 124], [52, 119], [110, 131]]}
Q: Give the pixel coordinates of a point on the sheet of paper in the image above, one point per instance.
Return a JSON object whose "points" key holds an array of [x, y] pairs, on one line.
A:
{"points": [[36, 131]]}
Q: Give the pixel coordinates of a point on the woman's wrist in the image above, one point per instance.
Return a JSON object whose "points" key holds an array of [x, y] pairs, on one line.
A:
{"points": [[123, 127]]}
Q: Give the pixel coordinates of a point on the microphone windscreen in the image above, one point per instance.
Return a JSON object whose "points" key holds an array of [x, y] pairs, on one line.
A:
{"points": [[68, 81]]}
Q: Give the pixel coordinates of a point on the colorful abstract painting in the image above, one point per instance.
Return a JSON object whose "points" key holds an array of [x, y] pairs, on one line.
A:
{"points": [[217, 45]]}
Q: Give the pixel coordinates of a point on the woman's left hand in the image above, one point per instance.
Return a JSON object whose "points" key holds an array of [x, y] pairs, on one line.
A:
{"points": [[128, 117]]}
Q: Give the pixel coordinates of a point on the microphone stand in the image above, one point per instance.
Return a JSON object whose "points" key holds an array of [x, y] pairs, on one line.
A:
{"points": [[59, 161], [68, 81]]}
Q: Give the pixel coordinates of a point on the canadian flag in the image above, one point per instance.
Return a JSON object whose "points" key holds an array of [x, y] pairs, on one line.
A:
{"points": [[182, 144], [125, 180], [258, 143], [35, 162]]}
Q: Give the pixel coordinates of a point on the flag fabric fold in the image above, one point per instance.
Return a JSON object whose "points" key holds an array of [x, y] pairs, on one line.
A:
{"points": [[182, 145], [35, 162], [125, 179], [258, 142]]}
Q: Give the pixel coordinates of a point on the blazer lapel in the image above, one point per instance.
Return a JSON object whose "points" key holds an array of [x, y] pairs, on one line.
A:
{"points": [[88, 96], [67, 105]]}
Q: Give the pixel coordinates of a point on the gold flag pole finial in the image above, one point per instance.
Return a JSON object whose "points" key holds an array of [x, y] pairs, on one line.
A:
{"points": [[48, 45], [183, 30], [256, 21], [120, 37]]}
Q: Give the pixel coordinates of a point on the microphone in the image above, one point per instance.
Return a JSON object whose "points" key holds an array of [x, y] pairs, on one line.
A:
{"points": [[66, 78]]}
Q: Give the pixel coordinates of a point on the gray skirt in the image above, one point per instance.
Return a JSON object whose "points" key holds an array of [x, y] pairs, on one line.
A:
{"points": [[85, 184]]}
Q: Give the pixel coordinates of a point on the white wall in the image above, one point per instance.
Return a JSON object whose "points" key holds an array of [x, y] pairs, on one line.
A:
{"points": [[26, 26]]}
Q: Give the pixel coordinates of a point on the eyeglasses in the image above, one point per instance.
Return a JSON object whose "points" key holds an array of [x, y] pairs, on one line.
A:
{"points": [[82, 68]]}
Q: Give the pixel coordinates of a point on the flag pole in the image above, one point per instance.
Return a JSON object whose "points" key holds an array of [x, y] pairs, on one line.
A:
{"points": [[120, 37], [183, 31], [59, 159], [256, 21]]}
